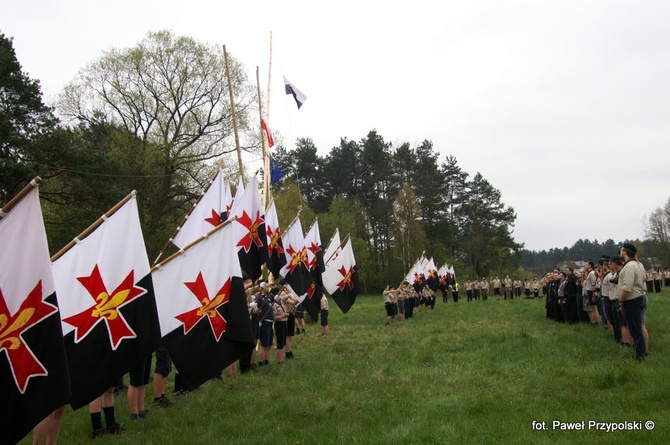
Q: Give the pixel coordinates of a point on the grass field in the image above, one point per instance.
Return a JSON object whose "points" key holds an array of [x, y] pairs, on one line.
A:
{"points": [[478, 372]]}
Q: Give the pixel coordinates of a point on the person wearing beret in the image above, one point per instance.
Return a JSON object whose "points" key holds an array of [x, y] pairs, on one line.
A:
{"points": [[633, 298]]}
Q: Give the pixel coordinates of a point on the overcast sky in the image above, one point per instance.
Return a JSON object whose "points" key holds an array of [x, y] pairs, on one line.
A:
{"points": [[564, 106]]}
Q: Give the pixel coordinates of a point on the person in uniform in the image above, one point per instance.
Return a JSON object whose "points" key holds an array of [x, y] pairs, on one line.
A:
{"points": [[607, 298], [401, 295], [485, 289], [526, 287], [536, 287], [571, 295], [497, 283], [290, 302], [389, 303], [633, 298], [279, 307], [616, 264], [517, 284], [267, 318], [589, 293], [324, 314], [507, 282], [656, 275], [476, 289]]}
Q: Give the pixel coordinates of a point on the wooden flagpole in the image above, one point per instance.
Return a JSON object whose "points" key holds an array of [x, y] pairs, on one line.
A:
{"points": [[234, 114], [188, 214], [266, 153], [191, 244], [264, 145], [19, 196], [93, 226]]}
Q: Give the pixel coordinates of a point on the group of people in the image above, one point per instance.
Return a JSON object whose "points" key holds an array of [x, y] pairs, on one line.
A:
{"points": [[612, 293], [405, 301], [506, 288]]}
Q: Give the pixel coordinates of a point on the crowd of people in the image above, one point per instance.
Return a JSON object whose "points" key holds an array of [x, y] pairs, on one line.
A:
{"points": [[406, 300], [612, 294]]}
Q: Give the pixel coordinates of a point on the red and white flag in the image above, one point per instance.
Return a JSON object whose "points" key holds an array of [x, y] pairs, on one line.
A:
{"points": [[202, 307], [268, 133], [206, 213], [249, 230], [34, 378], [296, 272], [341, 278], [108, 309], [276, 255]]}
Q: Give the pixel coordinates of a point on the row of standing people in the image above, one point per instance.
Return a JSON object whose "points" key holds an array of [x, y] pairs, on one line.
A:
{"points": [[612, 294], [405, 301], [506, 288]]}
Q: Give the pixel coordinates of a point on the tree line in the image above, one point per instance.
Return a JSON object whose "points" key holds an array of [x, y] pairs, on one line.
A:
{"points": [[406, 202]]}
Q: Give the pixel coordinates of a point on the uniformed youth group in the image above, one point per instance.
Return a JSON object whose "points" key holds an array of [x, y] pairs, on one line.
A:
{"points": [[612, 293]]}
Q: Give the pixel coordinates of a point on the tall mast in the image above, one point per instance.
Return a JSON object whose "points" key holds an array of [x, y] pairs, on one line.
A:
{"points": [[232, 108]]}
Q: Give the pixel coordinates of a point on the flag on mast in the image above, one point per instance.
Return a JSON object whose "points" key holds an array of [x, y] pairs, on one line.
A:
{"points": [[202, 306], [341, 278], [276, 255], [299, 97], [108, 310], [315, 267], [34, 378], [268, 133], [249, 228], [431, 275], [295, 271], [276, 172]]}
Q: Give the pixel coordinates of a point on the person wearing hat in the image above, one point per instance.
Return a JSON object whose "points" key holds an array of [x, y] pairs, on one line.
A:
{"points": [[289, 301], [608, 296], [616, 263], [633, 298], [572, 309], [588, 291], [281, 322], [264, 301]]}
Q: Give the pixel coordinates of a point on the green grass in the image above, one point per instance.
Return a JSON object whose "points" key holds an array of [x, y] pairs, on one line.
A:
{"points": [[478, 372]]}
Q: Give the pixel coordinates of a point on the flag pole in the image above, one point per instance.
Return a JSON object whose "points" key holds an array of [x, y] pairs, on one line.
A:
{"points": [[93, 226], [191, 244], [267, 100], [232, 110], [19, 196], [264, 144], [188, 214]]}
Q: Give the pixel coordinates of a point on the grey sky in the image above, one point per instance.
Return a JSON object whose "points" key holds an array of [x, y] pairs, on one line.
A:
{"points": [[562, 106]]}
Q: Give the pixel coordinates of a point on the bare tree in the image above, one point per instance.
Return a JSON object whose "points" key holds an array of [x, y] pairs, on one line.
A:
{"points": [[170, 91]]}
